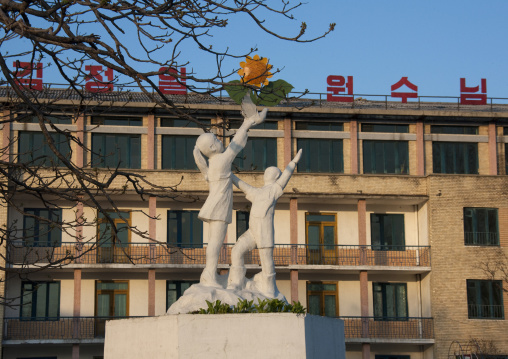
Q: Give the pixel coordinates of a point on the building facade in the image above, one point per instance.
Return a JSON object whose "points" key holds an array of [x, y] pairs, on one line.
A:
{"points": [[390, 217]]}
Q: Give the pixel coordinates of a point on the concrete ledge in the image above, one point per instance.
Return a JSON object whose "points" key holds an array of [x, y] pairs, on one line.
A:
{"points": [[274, 335]]}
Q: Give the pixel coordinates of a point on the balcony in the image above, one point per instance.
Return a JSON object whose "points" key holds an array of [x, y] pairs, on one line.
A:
{"points": [[55, 330], [283, 255], [396, 330]]}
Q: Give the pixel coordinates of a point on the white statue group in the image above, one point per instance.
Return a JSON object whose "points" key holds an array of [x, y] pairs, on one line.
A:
{"points": [[218, 208]]}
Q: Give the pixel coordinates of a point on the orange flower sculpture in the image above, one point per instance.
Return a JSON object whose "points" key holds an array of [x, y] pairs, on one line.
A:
{"points": [[255, 71]]}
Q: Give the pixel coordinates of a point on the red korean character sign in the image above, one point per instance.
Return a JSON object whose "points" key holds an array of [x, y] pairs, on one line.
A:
{"points": [[404, 95], [169, 85], [338, 84], [98, 80], [28, 75], [473, 95]]}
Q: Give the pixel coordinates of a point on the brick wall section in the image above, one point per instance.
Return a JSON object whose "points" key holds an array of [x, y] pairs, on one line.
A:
{"points": [[453, 262], [503, 226]]}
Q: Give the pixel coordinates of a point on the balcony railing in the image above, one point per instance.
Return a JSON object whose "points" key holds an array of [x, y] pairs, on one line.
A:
{"points": [[61, 328], [477, 311], [283, 254], [388, 328], [481, 238]]}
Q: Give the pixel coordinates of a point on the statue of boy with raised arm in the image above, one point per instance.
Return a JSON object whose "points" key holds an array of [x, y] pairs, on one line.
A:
{"points": [[260, 234], [218, 207]]}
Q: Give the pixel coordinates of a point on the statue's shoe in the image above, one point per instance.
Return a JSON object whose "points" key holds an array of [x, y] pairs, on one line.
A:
{"points": [[209, 279]]}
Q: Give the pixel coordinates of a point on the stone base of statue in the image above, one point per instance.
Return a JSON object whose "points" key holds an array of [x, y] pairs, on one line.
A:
{"points": [[188, 336]]}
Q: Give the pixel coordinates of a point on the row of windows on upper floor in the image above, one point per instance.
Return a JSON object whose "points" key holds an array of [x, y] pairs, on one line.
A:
{"points": [[319, 155], [184, 229], [41, 300]]}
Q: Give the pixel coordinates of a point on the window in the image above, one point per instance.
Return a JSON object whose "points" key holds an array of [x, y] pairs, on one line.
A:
{"points": [[455, 157], [40, 300], [116, 150], [481, 227], [242, 223], [485, 299], [112, 301], [33, 149], [322, 299], [267, 125], [178, 122], [117, 121], [40, 227], [321, 155], [177, 152], [319, 126], [385, 157], [386, 128], [321, 237], [114, 248], [258, 155], [175, 289], [454, 130], [185, 229], [390, 301], [387, 232], [62, 120]]}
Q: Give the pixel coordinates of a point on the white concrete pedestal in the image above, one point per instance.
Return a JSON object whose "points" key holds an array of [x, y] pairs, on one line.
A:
{"points": [[271, 335]]}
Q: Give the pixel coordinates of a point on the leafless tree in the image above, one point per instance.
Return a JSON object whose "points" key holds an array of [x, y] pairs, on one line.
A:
{"points": [[132, 43], [495, 266]]}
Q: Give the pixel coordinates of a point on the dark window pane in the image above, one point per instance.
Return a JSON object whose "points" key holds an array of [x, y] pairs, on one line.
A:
{"points": [[385, 157], [40, 300], [242, 223], [387, 232], [175, 289], [320, 218], [319, 126], [454, 130], [117, 121], [185, 229], [390, 301], [485, 299], [455, 157], [178, 122], [321, 155], [267, 125], [258, 155], [116, 150], [386, 128], [177, 152], [481, 227], [33, 149], [60, 119], [41, 227]]}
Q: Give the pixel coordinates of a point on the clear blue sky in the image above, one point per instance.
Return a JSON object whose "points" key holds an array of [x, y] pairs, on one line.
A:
{"points": [[434, 43]]}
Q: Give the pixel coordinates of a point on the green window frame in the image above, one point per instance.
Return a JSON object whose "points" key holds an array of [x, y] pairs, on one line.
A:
{"points": [[454, 130], [321, 155], [177, 152], [384, 128], [235, 124], [175, 289], [485, 299], [40, 301], [33, 149], [178, 122], [455, 157], [319, 126], [58, 119], [481, 227], [43, 231], [116, 150], [387, 232], [322, 298], [258, 154], [390, 301], [117, 121], [385, 157], [185, 229], [242, 223]]}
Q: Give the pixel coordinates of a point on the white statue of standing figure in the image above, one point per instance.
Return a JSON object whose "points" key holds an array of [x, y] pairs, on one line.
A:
{"points": [[261, 230], [218, 207]]}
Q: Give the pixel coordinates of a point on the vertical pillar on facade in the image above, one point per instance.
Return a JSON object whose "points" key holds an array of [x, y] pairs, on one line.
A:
{"points": [[354, 146], [293, 240], [76, 312], [420, 149], [152, 232], [492, 149], [364, 284]]}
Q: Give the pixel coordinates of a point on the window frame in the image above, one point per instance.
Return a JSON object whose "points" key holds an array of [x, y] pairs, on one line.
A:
{"points": [[176, 152], [479, 298], [261, 151], [383, 246], [474, 223], [49, 242], [335, 160], [33, 302], [379, 148], [439, 163], [245, 220], [384, 304], [39, 155], [130, 161], [179, 235], [384, 127], [322, 294], [179, 291]]}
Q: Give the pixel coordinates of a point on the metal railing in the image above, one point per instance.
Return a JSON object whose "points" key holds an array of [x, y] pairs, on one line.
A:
{"points": [[59, 328], [283, 254], [388, 328], [477, 311], [481, 238]]}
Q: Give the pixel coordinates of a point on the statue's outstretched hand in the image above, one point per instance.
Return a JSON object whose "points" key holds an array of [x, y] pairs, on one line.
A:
{"points": [[250, 112], [298, 156]]}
